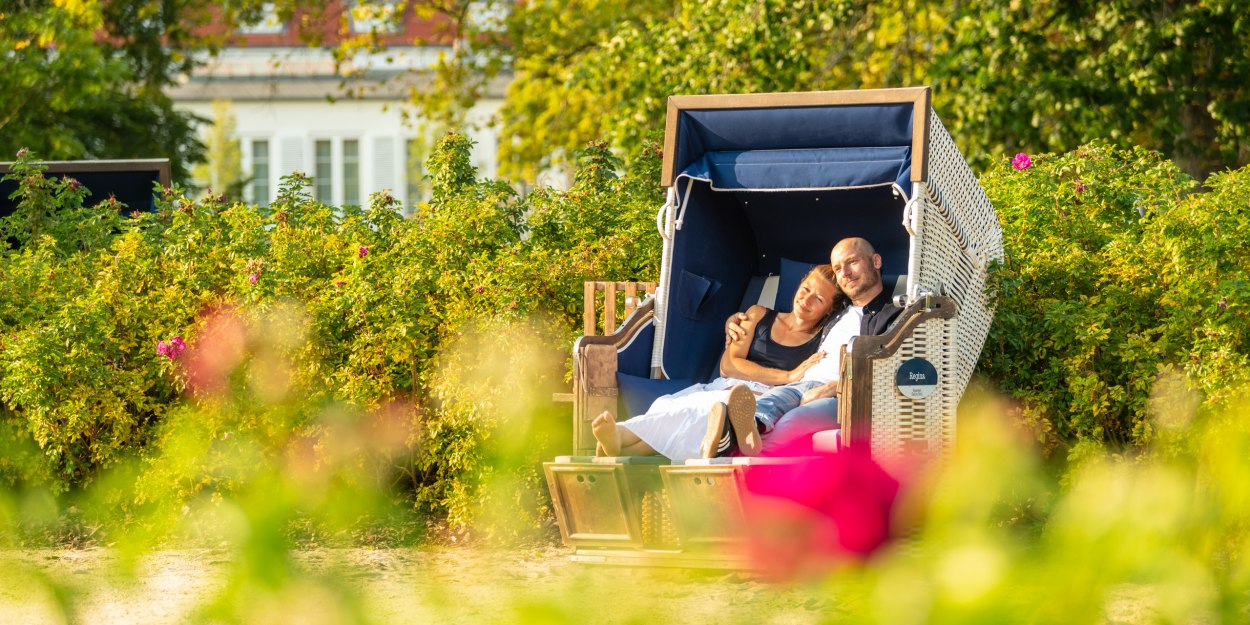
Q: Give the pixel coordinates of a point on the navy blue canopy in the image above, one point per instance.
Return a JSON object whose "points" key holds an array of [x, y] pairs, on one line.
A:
{"points": [[814, 147]]}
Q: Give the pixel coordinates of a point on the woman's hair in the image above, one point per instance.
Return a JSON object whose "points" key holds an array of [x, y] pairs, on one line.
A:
{"points": [[825, 272]]}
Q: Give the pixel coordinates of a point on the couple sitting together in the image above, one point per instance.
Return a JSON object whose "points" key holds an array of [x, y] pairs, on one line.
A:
{"points": [[779, 371]]}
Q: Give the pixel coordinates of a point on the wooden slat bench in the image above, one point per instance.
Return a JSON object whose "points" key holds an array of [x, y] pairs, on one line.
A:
{"points": [[599, 314]]}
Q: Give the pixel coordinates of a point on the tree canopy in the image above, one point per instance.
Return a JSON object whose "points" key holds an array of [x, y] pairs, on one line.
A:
{"points": [[65, 95], [1008, 76], [1170, 76], [84, 79]]}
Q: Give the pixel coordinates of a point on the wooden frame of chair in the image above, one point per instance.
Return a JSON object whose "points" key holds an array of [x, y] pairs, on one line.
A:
{"points": [[591, 305]]}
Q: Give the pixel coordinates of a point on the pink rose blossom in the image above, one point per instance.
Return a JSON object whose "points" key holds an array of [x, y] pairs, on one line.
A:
{"points": [[480, 289], [1022, 161], [1080, 187], [339, 283], [362, 252], [253, 278], [172, 349]]}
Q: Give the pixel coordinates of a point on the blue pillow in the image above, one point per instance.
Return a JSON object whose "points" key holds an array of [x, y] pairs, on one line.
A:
{"points": [[792, 272], [637, 392]]}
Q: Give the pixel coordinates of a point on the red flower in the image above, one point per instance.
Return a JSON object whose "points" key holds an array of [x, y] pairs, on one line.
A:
{"points": [[820, 511]]}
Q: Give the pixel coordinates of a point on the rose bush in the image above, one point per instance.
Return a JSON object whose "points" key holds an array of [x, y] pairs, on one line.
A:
{"points": [[296, 311], [1118, 273], [178, 345]]}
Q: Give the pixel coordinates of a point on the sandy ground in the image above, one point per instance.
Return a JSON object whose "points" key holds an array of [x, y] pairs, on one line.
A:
{"points": [[393, 586]]}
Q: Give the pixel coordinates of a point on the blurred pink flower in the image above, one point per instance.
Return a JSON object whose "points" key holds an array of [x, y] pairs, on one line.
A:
{"points": [[220, 346], [338, 284], [1080, 187], [362, 252], [1022, 161], [253, 278], [824, 510], [480, 289]]}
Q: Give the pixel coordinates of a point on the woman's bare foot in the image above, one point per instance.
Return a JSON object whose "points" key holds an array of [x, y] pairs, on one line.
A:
{"points": [[604, 429]]}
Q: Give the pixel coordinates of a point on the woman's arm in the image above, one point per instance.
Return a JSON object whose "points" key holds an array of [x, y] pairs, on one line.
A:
{"points": [[734, 363]]}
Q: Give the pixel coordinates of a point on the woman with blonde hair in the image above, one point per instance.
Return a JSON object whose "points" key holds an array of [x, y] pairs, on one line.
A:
{"points": [[782, 347]]}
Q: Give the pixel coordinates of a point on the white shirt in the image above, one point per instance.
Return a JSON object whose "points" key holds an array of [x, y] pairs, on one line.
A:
{"points": [[840, 334]]}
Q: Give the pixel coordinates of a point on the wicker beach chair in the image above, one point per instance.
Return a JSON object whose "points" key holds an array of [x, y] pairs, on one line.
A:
{"points": [[760, 187]]}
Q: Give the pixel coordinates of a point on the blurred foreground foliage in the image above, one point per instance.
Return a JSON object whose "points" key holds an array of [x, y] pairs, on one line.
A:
{"points": [[420, 353], [989, 536]]}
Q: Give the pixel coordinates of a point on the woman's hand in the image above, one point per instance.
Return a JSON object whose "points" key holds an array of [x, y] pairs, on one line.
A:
{"points": [[826, 390], [796, 373]]}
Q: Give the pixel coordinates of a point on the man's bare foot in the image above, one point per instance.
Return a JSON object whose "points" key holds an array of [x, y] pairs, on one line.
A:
{"points": [[604, 429], [741, 413]]}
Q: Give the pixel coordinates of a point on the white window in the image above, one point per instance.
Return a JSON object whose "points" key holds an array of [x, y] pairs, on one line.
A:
{"points": [[413, 172], [260, 172], [351, 172], [338, 171], [323, 171]]}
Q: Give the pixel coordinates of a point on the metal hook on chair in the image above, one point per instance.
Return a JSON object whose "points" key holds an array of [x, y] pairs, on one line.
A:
{"points": [[911, 217], [665, 211]]}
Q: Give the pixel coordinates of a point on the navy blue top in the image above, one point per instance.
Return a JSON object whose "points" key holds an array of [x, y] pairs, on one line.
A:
{"points": [[769, 353]]}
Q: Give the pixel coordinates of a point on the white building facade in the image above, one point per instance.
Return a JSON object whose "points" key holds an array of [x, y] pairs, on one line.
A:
{"points": [[294, 111]]}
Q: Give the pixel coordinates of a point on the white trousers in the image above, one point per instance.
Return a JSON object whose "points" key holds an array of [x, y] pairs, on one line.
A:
{"points": [[675, 424]]}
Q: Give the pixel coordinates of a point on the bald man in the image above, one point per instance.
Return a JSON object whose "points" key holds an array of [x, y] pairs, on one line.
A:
{"points": [[787, 416]]}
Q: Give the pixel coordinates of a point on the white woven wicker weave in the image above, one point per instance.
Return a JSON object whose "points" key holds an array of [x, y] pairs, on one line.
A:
{"points": [[958, 235]]}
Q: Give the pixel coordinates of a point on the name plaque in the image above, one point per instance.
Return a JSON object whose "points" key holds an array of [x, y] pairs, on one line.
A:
{"points": [[916, 378]]}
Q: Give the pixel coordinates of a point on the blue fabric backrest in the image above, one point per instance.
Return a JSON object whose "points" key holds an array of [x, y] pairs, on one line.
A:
{"points": [[635, 357], [728, 238], [825, 168], [701, 131]]}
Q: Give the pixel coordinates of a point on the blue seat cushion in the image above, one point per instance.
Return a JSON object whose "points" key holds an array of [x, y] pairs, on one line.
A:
{"points": [[637, 393]]}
